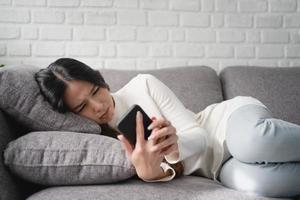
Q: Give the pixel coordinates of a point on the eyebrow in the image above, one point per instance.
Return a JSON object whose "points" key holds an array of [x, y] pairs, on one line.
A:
{"points": [[76, 107]]}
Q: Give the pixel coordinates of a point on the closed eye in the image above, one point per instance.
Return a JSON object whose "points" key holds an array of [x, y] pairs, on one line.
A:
{"points": [[97, 89]]}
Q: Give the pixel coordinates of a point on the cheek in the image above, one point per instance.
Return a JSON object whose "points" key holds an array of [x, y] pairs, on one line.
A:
{"points": [[89, 115]]}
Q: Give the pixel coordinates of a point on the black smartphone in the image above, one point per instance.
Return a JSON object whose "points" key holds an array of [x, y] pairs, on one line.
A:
{"points": [[127, 124]]}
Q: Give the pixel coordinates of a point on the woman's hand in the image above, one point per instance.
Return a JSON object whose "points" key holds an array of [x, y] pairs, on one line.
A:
{"points": [[164, 135], [146, 156]]}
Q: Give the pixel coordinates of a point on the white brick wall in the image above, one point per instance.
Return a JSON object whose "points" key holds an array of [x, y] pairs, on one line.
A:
{"points": [[147, 34]]}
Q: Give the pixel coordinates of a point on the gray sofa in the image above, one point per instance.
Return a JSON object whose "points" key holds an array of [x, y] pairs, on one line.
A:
{"points": [[196, 87]]}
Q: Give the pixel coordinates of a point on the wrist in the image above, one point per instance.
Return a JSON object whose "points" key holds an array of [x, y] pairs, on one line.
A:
{"points": [[154, 174]]}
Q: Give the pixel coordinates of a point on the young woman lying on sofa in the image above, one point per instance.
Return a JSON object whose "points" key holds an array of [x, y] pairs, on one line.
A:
{"points": [[235, 142]]}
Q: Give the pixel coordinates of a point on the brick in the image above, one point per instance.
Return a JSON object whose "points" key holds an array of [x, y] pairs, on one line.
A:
{"points": [[294, 63], [97, 3], [197, 35], [195, 19], [187, 5], [263, 63], [154, 4], [14, 15], [217, 20], [218, 51], [120, 64], [204, 62], [89, 33], [152, 34], [253, 36], [48, 49], [108, 50], [295, 37], [30, 2], [126, 3], [275, 36], [131, 17], [177, 35], [167, 63], [48, 17], [231, 36], [293, 51], [9, 33], [74, 18], [121, 34], [64, 3], [269, 21], [160, 18], [146, 64], [160, 50], [188, 50], [132, 50], [230, 62], [102, 18], [5, 2], [270, 51], [245, 51], [253, 5], [56, 33], [292, 21], [238, 20], [2, 50], [19, 49], [283, 5], [82, 50], [207, 5], [226, 5], [30, 33]]}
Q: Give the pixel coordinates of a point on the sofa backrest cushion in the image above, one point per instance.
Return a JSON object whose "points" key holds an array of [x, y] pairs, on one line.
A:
{"points": [[276, 87], [21, 98], [197, 87]]}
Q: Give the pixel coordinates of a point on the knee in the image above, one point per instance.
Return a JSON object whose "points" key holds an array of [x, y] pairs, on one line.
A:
{"points": [[245, 139]]}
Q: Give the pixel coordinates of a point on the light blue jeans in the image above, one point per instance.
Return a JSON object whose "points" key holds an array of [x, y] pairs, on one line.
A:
{"points": [[265, 154]]}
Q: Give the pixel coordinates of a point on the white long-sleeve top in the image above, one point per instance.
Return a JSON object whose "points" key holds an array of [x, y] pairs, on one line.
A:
{"points": [[200, 136]]}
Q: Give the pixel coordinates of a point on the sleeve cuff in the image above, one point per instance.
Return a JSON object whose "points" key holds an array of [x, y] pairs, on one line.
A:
{"points": [[165, 168]]}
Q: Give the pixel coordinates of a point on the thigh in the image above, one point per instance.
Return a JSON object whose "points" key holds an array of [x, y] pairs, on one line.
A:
{"points": [[272, 180], [254, 136]]}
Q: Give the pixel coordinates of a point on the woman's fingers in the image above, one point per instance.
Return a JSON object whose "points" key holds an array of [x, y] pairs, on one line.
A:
{"points": [[170, 149], [163, 132], [167, 142], [159, 123], [126, 145], [140, 138]]}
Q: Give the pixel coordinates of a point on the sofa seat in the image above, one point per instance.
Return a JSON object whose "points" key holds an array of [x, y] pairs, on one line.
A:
{"points": [[186, 187]]}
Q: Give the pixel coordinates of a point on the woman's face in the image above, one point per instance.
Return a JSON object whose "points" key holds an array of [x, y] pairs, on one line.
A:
{"points": [[89, 101]]}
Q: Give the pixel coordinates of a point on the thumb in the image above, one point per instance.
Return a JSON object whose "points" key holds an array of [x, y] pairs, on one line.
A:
{"points": [[126, 145]]}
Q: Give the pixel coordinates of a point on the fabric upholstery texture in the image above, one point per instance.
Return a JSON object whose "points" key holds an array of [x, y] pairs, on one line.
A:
{"points": [[188, 187], [68, 158], [21, 98], [277, 88], [8, 185], [197, 87]]}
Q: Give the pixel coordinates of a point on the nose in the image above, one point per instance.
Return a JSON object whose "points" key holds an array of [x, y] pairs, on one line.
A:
{"points": [[96, 105]]}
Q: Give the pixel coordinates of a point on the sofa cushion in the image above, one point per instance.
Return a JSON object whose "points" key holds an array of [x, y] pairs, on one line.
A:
{"points": [[9, 188], [277, 88], [67, 158], [21, 98], [186, 187], [197, 87]]}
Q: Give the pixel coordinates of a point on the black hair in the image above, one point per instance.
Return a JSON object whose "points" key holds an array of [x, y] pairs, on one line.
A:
{"points": [[53, 80]]}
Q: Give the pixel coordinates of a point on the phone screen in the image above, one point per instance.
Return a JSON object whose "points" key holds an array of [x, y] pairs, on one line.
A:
{"points": [[127, 124]]}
